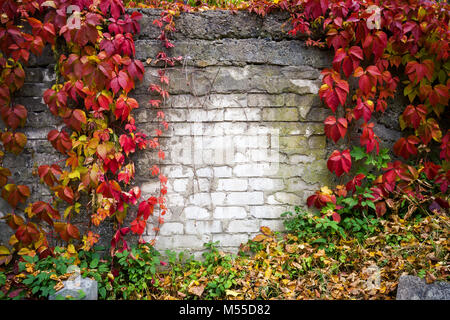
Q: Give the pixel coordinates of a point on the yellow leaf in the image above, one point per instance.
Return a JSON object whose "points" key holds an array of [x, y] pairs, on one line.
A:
{"points": [[290, 248], [326, 190], [266, 231], [197, 290], [26, 251], [74, 174], [58, 286], [231, 293], [4, 250], [71, 249], [67, 211], [13, 240], [268, 273], [259, 238], [319, 253]]}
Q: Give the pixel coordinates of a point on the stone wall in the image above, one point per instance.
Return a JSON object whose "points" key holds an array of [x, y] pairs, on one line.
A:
{"points": [[246, 140]]}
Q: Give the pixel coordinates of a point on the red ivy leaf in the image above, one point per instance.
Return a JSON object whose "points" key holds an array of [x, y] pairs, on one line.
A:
{"points": [[406, 147], [127, 144], [415, 115], [335, 129], [15, 116], [14, 194], [339, 162], [138, 226], [363, 109], [60, 140]]}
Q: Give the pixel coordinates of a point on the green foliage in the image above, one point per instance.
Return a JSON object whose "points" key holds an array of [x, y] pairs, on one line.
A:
{"points": [[134, 276], [310, 227], [42, 282], [216, 266], [315, 229]]}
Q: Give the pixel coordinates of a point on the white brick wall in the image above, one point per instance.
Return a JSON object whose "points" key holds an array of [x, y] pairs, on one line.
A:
{"points": [[230, 213], [238, 157], [232, 184]]}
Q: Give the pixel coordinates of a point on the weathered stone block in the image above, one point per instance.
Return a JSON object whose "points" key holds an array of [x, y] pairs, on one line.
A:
{"points": [[232, 184], [415, 288], [280, 114], [233, 240], [230, 213], [172, 228], [265, 100], [266, 184], [267, 212], [243, 198], [72, 289], [240, 226], [193, 212], [200, 227]]}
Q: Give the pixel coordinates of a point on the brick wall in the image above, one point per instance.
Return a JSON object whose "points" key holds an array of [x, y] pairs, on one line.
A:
{"points": [[246, 139]]}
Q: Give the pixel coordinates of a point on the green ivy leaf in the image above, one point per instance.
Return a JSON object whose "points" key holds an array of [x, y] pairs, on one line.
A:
{"points": [[358, 153]]}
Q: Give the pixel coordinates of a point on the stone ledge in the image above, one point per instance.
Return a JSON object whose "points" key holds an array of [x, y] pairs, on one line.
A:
{"points": [[219, 24], [415, 288]]}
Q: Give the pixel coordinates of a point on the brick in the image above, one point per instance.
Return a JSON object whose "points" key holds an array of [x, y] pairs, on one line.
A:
{"points": [[222, 172], [222, 101], [238, 226], [181, 129], [245, 141], [150, 187], [181, 241], [180, 185], [200, 199], [213, 129], [266, 155], [242, 198], [266, 184], [205, 172], [294, 142], [267, 212], [175, 199], [230, 239], [280, 114], [232, 184], [271, 200], [196, 213], [202, 185], [229, 213], [174, 115], [288, 171], [274, 225], [317, 142], [288, 198], [306, 101], [249, 170], [218, 198], [171, 228], [297, 158], [305, 86], [245, 114], [234, 128], [265, 100], [200, 115], [200, 227], [178, 172]]}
